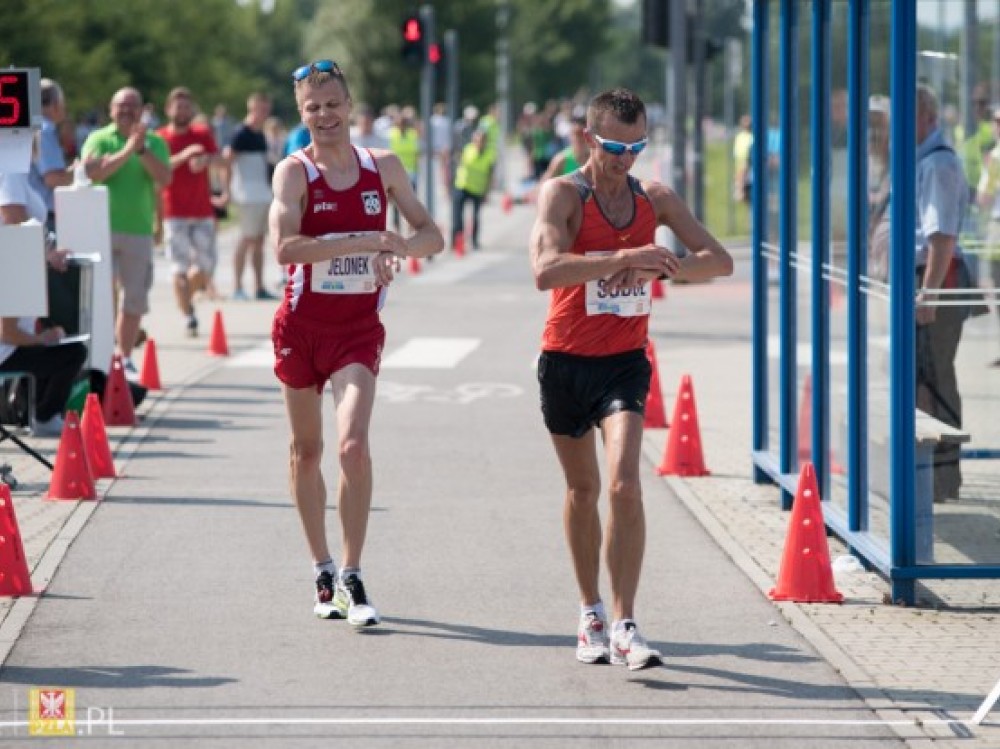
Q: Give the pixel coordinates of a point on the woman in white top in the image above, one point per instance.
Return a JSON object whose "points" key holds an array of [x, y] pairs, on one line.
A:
{"points": [[23, 346]]}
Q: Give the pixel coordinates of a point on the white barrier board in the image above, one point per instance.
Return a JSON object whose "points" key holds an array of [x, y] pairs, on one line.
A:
{"points": [[22, 271], [83, 226]]}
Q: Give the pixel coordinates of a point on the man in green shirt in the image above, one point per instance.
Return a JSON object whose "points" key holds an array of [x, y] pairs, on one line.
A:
{"points": [[134, 164]]}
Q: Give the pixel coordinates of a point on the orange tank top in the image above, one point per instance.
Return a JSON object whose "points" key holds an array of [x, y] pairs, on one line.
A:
{"points": [[586, 319]]}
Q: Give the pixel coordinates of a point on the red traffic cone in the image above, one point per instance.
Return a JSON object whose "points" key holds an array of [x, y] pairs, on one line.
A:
{"points": [[95, 440], [459, 243], [217, 345], [805, 574], [658, 292], [656, 414], [683, 455], [71, 477], [149, 376], [119, 410], [507, 202], [14, 577], [413, 265]]}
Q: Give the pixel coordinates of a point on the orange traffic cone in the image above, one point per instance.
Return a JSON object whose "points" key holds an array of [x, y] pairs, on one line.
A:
{"points": [[683, 455], [413, 265], [658, 292], [119, 410], [459, 243], [507, 202], [95, 440], [149, 377], [656, 414], [217, 345], [805, 574], [71, 477], [14, 577]]}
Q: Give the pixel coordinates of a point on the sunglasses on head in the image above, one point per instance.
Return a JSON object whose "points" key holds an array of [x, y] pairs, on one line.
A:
{"points": [[617, 148], [320, 66]]}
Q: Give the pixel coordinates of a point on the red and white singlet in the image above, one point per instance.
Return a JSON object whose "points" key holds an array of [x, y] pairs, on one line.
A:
{"points": [[341, 290]]}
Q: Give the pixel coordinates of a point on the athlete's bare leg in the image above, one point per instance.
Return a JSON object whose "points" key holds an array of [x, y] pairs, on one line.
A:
{"points": [[257, 263], [305, 416], [581, 518], [354, 396], [240, 261], [626, 521]]}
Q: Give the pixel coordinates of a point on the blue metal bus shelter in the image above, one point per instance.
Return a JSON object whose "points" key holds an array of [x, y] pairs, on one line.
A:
{"points": [[846, 400]]}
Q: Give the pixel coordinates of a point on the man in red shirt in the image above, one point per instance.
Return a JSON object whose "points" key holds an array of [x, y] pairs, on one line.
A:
{"points": [[593, 246], [187, 213]]}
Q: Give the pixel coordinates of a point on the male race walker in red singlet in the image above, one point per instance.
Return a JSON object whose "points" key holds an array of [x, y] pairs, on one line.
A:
{"points": [[328, 218], [593, 246]]}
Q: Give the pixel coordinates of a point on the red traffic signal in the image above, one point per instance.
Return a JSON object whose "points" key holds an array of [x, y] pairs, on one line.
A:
{"points": [[413, 41], [434, 53]]}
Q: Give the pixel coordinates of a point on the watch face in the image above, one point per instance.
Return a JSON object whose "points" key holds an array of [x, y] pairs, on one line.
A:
{"points": [[15, 105]]}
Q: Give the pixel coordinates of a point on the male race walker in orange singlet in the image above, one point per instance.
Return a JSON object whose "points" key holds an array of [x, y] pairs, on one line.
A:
{"points": [[328, 217], [593, 246]]}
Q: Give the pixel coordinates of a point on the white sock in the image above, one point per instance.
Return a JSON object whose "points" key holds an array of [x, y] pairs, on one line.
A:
{"points": [[327, 566], [344, 572], [620, 624], [596, 608]]}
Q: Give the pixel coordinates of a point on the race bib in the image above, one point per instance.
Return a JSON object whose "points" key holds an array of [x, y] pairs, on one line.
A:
{"points": [[346, 274], [631, 301]]}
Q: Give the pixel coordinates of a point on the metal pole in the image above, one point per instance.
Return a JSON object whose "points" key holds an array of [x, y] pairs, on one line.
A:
{"points": [[503, 91], [729, 92], [758, 231], [451, 77], [698, 43], [969, 56], [427, 104], [678, 63]]}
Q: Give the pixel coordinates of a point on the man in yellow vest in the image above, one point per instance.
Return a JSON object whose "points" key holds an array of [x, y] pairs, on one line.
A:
{"points": [[404, 141], [472, 183]]}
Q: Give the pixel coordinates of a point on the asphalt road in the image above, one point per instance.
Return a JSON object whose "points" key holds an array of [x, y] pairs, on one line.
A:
{"points": [[184, 605]]}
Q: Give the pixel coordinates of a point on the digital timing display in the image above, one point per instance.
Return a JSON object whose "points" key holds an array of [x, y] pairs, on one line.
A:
{"points": [[15, 103]]}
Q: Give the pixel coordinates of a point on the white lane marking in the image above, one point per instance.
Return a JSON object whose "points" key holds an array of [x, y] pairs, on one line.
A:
{"points": [[455, 269], [261, 356], [555, 721], [430, 353], [462, 395]]}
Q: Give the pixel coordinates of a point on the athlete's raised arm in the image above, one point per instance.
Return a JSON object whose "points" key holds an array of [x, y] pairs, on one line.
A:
{"points": [[427, 239], [707, 258], [555, 266]]}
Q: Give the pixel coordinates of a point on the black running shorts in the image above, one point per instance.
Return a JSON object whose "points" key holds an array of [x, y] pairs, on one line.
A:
{"points": [[578, 392]]}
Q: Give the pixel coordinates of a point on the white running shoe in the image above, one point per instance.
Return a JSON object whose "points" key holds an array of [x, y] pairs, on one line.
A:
{"points": [[352, 597], [592, 639], [629, 648], [326, 605]]}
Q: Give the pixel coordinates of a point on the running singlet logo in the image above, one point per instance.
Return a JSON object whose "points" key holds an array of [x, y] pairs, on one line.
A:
{"points": [[372, 202], [632, 301], [345, 274]]}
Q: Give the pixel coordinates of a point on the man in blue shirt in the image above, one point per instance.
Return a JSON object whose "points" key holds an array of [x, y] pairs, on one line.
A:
{"points": [[942, 200], [49, 169]]}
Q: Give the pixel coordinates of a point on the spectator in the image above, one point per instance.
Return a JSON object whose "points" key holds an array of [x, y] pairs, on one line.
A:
{"points": [[404, 141], [250, 191], [989, 200], [134, 164], [50, 169], [222, 126], [441, 141], [275, 135], [297, 138], [942, 197], [364, 134], [472, 183], [574, 155], [24, 347], [187, 212], [741, 159]]}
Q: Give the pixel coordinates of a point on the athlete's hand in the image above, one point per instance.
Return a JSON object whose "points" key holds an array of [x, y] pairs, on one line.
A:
{"points": [[655, 259], [390, 241], [624, 279], [386, 267]]}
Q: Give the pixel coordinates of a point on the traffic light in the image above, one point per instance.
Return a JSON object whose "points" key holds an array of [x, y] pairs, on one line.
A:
{"points": [[413, 41]]}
